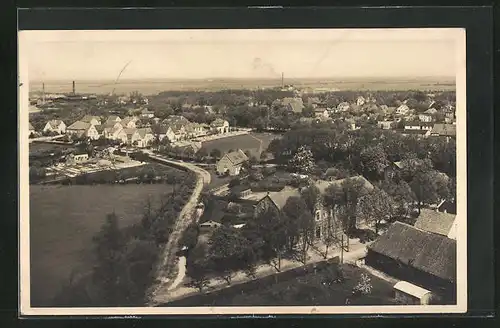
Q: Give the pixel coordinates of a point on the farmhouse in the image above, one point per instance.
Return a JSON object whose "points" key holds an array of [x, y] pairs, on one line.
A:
{"points": [[163, 132], [231, 163], [146, 137], [219, 126], [83, 129], [275, 200], [422, 258], [94, 120], [56, 126], [436, 222], [194, 130]]}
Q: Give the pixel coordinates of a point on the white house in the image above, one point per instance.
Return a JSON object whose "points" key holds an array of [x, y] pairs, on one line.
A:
{"points": [[94, 120], [83, 129], [410, 294], [129, 122], [418, 126], [403, 109], [343, 106], [231, 163], [360, 101], [385, 125], [321, 112], [219, 126], [425, 118], [146, 137], [57, 126]]}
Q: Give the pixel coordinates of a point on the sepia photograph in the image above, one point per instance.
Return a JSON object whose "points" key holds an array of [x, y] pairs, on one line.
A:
{"points": [[242, 171]]}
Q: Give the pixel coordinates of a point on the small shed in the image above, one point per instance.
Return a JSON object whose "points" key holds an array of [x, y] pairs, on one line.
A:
{"points": [[410, 294]]}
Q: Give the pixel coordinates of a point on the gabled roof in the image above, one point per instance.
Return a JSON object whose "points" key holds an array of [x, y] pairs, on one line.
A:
{"points": [[218, 122], [113, 118], [237, 157], [431, 111], [130, 132], [79, 125], [279, 198], [295, 104], [144, 131], [424, 251], [435, 222], [89, 118], [55, 123]]}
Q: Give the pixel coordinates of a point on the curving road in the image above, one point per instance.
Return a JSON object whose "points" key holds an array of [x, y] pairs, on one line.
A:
{"points": [[167, 266]]}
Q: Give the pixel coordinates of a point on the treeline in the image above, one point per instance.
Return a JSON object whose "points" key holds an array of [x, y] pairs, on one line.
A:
{"points": [[125, 258], [366, 151]]}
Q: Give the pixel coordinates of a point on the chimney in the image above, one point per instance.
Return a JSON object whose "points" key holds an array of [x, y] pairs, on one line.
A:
{"points": [[282, 80], [74, 87]]}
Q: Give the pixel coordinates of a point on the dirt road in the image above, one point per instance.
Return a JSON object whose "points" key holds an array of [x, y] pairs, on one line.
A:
{"points": [[167, 265]]}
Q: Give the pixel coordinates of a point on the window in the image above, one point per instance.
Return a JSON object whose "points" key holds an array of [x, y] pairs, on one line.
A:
{"points": [[318, 215]]}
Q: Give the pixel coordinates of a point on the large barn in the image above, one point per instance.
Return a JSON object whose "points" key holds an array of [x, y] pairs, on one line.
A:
{"points": [[425, 259]]}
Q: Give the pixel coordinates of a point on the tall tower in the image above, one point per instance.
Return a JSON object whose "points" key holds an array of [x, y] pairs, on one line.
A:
{"points": [[43, 92], [74, 87]]}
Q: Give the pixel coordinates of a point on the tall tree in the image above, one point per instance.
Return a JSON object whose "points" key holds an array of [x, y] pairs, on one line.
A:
{"points": [[429, 187], [373, 161], [302, 161], [376, 207], [227, 250], [402, 194], [198, 268], [109, 274]]}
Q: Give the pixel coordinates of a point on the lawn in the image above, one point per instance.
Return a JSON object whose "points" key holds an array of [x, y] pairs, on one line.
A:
{"points": [[255, 143], [63, 221]]}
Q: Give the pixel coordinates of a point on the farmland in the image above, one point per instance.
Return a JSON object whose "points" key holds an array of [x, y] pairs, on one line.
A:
{"points": [[255, 143], [63, 221], [149, 87]]}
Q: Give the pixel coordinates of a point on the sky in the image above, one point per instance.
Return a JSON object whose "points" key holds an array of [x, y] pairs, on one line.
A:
{"points": [[205, 54]]}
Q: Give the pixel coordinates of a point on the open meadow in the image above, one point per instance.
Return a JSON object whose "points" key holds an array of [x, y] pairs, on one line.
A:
{"points": [[63, 221], [255, 143]]}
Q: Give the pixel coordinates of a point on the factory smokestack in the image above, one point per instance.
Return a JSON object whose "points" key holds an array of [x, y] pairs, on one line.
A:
{"points": [[74, 87], [282, 80], [43, 92]]}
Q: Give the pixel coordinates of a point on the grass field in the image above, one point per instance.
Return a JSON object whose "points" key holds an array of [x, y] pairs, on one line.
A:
{"points": [[255, 143], [63, 220], [149, 86]]}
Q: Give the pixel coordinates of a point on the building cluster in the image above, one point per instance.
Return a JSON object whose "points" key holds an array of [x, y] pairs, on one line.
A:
{"points": [[139, 131]]}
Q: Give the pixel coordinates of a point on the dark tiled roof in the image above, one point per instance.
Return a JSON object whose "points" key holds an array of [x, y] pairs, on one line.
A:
{"points": [[435, 222], [237, 157], [424, 251]]}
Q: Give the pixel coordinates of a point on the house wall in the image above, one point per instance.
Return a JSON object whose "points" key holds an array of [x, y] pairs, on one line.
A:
{"points": [[407, 299], [446, 290], [224, 165]]}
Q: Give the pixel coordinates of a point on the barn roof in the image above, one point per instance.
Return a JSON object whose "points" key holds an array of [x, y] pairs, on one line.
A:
{"points": [[424, 251], [435, 222]]}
